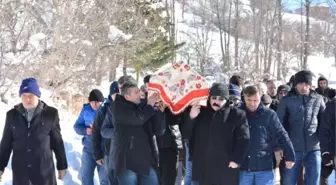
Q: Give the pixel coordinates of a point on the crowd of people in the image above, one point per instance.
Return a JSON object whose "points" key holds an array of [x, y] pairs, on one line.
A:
{"points": [[243, 134]]}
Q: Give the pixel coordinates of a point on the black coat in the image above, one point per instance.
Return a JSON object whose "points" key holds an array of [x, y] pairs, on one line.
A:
{"points": [[216, 139], [134, 146], [32, 147], [172, 137], [327, 129], [97, 139]]}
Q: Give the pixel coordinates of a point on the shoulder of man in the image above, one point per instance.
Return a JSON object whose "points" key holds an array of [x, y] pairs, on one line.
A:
{"points": [[50, 112]]}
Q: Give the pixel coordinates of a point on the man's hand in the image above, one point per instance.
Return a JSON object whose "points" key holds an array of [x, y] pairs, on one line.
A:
{"points": [[61, 174], [289, 164], [161, 106], [153, 99], [1, 172], [100, 161], [195, 110], [278, 155], [88, 131], [327, 159], [233, 165]]}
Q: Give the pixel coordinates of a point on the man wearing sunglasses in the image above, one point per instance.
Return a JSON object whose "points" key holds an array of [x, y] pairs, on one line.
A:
{"points": [[219, 138]]}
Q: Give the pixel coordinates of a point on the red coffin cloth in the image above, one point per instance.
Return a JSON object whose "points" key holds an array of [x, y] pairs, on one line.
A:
{"points": [[179, 85]]}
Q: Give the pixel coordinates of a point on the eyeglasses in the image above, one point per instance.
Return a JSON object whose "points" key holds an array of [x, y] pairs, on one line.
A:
{"points": [[217, 98]]}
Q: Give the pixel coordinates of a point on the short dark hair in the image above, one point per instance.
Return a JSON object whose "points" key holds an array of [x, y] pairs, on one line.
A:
{"points": [[251, 91], [125, 89], [146, 79], [125, 79], [237, 80]]}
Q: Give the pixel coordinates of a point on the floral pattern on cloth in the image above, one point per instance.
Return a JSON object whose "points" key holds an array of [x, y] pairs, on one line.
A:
{"points": [[179, 86]]}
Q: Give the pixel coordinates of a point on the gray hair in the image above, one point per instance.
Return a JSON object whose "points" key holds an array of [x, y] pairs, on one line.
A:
{"points": [[125, 89]]}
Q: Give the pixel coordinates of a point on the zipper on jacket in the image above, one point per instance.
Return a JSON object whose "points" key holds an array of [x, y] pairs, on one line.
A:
{"points": [[131, 144], [304, 123]]}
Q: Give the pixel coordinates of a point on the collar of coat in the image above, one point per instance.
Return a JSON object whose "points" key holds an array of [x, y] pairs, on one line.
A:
{"points": [[122, 100], [40, 106], [259, 112], [293, 92]]}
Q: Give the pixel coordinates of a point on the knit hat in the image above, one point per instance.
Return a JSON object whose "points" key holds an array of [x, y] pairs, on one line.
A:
{"points": [[96, 95], [234, 91], [146, 79], [30, 85], [303, 76], [114, 88], [266, 99], [285, 88], [219, 89]]}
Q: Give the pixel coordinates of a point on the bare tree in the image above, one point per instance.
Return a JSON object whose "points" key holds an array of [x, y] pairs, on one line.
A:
{"points": [[306, 42]]}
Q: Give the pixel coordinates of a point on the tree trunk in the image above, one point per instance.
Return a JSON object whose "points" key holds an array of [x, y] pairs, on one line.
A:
{"points": [[221, 32], [228, 58], [256, 37], [113, 69], [306, 45], [335, 55], [125, 65], [236, 34], [183, 8], [279, 40], [173, 29], [301, 46]]}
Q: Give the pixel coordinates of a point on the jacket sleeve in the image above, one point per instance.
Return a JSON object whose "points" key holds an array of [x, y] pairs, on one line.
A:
{"points": [[159, 123], [188, 124], [281, 111], [107, 127], [279, 132], [96, 136], [241, 139], [131, 116], [57, 144], [319, 115], [6, 142], [80, 127], [326, 130]]}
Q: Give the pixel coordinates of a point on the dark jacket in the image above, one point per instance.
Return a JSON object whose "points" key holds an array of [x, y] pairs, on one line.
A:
{"points": [[274, 104], [216, 138], [133, 146], [32, 147], [264, 128], [84, 121], [172, 137], [301, 116], [100, 146], [327, 129]]}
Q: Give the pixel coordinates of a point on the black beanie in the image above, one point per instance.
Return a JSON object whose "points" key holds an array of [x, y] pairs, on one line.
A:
{"points": [[146, 79], [219, 89], [285, 88], [303, 77], [266, 99], [96, 95]]}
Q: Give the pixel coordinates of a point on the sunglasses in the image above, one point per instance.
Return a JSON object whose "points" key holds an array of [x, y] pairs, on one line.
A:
{"points": [[217, 98]]}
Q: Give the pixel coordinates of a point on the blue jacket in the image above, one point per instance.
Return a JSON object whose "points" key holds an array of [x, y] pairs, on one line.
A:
{"points": [[264, 127], [301, 116], [84, 121]]}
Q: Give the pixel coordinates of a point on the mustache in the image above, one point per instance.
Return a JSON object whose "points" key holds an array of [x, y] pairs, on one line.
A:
{"points": [[215, 105]]}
